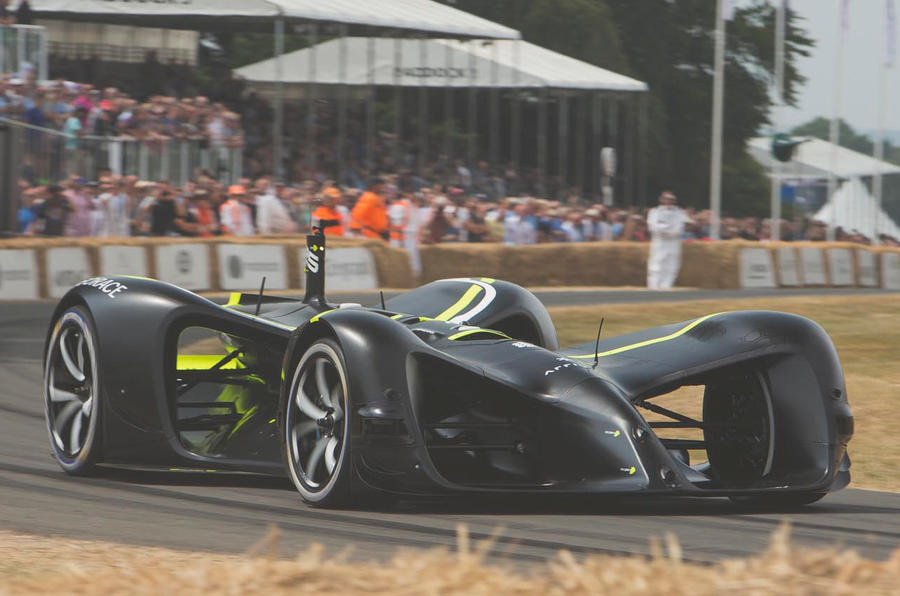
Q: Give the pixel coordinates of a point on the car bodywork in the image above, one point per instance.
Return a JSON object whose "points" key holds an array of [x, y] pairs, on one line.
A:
{"points": [[460, 386]]}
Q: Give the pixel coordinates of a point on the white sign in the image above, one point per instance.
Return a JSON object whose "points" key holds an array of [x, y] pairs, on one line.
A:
{"points": [[866, 265], [123, 260], [185, 265], [840, 267], [788, 273], [65, 268], [890, 271], [18, 275], [348, 269], [242, 266], [756, 268], [813, 266]]}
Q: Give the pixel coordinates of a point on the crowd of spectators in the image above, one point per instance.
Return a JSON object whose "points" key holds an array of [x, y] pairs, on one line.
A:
{"points": [[126, 206]]}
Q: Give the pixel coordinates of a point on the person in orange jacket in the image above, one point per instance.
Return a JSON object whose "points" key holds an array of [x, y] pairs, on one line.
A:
{"points": [[369, 217], [328, 212]]}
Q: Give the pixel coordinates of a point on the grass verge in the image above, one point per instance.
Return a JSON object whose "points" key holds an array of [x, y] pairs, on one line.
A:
{"points": [[865, 329], [34, 565]]}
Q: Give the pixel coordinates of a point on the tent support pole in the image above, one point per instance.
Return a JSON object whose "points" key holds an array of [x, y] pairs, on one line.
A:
{"points": [[613, 141], [423, 109], [516, 129], [312, 40], [472, 129], [370, 106], [562, 139], [448, 104], [493, 142], [398, 101], [343, 88], [630, 126], [278, 120], [542, 143], [642, 149], [596, 129], [580, 140]]}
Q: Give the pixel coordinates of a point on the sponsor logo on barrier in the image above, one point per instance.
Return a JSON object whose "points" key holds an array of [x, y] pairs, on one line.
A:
{"points": [[244, 265], [813, 266], [65, 268], [123, 260], [756, 269], [183, 262], [185, 265]]}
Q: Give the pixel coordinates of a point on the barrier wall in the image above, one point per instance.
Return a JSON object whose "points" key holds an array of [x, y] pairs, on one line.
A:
{"points": [[46, 268]]}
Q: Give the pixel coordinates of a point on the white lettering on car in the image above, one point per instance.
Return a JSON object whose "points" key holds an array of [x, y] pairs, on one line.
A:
{"points": [[108, 286]]}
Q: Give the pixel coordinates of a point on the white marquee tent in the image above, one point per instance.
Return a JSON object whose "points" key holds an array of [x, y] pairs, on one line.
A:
{"points": [[813, 159], [438, 63], [857, 210]]}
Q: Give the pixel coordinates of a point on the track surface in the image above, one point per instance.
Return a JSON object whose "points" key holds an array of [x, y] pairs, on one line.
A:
{"points": [[231, 512]]}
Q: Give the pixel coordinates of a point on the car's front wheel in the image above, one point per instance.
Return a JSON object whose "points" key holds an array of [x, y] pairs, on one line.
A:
{"points": [[72, 392], [316, 426]]}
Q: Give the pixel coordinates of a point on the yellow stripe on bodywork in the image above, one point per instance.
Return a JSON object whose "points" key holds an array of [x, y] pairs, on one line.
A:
{"points": [[316, 318], [650, 342], [399, 316], [461, 304], [474, 331], [234, 299], [204, 362]]}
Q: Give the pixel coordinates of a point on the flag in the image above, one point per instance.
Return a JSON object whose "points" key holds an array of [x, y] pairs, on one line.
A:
{"points": [[845, 18], [890, 41]]}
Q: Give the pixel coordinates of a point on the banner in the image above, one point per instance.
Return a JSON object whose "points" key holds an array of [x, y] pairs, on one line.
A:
{"points": [[348, 269], [243, 266], [866, 268], [185, 265], [788, 272], [840, 267], [123, 260], [812, 265], [18, 275], [65, 268], [756, 269]]}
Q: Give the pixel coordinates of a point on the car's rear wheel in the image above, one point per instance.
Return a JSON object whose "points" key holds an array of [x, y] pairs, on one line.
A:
{"points": [[72, 392], [316, 426]]}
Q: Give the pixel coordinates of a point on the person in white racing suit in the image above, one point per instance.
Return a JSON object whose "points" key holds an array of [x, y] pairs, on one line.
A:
{"points": [[666, 224]]}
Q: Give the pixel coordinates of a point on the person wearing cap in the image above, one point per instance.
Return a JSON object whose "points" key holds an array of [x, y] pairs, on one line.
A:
{"points": [[235, 215], [52, 214], [666, 224], [328, 212], [369, 216]]}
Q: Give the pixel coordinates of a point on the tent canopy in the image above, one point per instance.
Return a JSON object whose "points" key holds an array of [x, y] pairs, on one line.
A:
{"points": [[813, 159], [411, 16], [437, 63], [857, 210]]}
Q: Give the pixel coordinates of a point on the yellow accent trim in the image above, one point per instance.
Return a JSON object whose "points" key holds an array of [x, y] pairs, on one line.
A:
{"points": [[316, 318], [234, 299], [272, 421], [461, 304], [616, 434], [400, 316], [204, 362], [650, 342], [488, 280], [137, 277], [474, 331], [631, 471]]}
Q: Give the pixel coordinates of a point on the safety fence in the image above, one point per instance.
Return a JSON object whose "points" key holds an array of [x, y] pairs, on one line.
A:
{"points": [[50, 155], [33, 268]]}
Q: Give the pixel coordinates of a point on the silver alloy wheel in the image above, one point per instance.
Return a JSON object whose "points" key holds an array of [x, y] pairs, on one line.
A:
{"points": [[316, 425], [71, 390]]}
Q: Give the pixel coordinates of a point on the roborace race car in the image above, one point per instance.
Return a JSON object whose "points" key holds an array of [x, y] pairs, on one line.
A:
{"points": [[457, 386]]}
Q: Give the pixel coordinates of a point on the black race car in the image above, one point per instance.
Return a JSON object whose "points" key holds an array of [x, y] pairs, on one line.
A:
{"points": [[458, 386]]}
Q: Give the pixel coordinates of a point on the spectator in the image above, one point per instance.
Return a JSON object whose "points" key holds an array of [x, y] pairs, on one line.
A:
{"points": [[80, 221], [24, 14], [51, 216], [327, 216], [163, 214], [369, 216], [6, 15], [235, 215], [666, 225], [520, 227], [114, 202], [272, 216], [199, 218]]}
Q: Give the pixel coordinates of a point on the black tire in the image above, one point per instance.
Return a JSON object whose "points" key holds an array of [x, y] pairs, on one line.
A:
{"points": [[316, 429], [72, 392], [778, 501]]}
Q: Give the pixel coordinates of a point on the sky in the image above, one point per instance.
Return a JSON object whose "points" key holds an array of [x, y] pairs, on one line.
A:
{"points": [[864, 53]]}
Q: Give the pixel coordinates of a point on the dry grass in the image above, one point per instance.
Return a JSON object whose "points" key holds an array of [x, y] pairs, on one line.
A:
{"points": [[865, 329], [32, 565]]}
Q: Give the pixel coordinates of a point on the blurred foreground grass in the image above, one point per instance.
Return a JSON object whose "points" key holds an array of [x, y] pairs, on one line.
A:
{"points": [[865, 329]]}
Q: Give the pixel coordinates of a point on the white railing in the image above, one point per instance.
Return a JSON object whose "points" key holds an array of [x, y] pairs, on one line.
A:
{"points": [[51, 155], [23, 47]]}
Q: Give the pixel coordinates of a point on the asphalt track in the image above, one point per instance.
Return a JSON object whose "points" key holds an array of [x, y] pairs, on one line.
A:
{"points": [[229, 512]]}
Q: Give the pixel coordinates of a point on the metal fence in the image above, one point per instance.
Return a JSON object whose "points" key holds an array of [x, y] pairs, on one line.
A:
{"points": [[23, 47], [49, 155]]}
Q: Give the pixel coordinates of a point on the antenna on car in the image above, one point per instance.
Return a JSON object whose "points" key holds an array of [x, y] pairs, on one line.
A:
{"points": [[259, 298], [381, 293], [597, 345]]}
